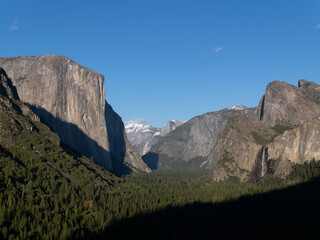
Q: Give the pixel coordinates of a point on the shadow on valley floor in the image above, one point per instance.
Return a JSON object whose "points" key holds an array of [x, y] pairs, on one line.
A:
{"points": [[75, 141], [292, 213]]}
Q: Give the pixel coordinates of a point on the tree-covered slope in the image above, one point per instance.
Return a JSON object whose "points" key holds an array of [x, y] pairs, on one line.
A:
{"points": [[45, 191]]}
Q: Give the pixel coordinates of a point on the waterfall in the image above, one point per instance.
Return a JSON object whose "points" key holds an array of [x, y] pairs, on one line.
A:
{"points": [[264, 160], [261, 165]]}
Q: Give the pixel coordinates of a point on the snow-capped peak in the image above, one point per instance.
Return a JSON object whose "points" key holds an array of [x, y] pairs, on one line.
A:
{"points": [[143, 136], [139, 127], [238, 107]]}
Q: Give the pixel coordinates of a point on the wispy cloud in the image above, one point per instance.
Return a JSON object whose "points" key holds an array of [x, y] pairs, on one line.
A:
{"points": [[19, 24], [317, 26], [15, 25], [219, 49], [137, 120]]}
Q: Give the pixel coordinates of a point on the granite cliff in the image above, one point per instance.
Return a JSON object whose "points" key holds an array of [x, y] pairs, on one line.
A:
{"points": [[298, 145], [283, 130], [283, 102], [29, 147], [189, 146], [70, 99], [169, 127]]}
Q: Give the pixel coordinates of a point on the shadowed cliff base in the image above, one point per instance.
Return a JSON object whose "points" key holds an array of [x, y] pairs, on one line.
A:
{"points": [[116, 140], [196, 164], [291, 213], [69, 132], [151, 159]]}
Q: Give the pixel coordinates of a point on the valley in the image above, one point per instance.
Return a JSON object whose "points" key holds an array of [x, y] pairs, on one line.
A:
{"points": [[69, 171], [169, 120]]}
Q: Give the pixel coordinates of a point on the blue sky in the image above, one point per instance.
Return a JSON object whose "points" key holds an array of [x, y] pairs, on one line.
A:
{"points": [[172, 59]]}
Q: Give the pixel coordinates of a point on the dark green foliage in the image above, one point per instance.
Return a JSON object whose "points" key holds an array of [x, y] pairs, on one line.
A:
{"points": [[305, 172], [281, 128], [268, 135], [192, 165], [291, 213], [262, 139], [48, 205], [226, 159], [46, 193], [230, 166]]}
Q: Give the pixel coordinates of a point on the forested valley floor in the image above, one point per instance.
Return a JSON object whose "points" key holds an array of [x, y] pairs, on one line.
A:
{"points": [[36, 202]]}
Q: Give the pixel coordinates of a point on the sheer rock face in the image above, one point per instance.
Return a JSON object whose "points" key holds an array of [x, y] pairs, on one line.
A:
{"points": [[298, 145], [299, 106], [283, 102], [236, 151], [284, 130], [68, 97], [193, 141]]}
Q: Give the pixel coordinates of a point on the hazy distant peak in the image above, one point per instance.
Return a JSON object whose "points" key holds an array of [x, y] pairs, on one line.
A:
{"points": [[171, 125], [143, 136]]}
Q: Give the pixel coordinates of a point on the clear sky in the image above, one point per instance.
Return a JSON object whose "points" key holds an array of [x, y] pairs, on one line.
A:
{"points": [[167, 59]]}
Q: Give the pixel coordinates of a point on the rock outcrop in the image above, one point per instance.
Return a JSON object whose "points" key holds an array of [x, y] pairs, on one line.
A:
{"points": [[298, 145], [283, 102], [171, 125], [70, 99], [284, 130]]}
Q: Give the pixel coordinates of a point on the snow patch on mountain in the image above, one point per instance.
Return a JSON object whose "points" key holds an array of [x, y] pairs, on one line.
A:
{"points": [[143, 136], [238, 107]]}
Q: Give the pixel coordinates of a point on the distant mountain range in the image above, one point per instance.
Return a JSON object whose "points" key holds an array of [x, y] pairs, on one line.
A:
{"points": [[143, 136]]}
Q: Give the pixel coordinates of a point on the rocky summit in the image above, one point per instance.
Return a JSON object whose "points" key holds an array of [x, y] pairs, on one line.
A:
{"points": [[282, 131], [283, 102], [70, 99]]}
